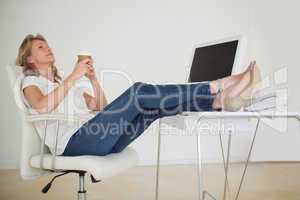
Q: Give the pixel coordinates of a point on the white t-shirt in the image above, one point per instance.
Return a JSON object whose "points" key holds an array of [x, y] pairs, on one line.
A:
{"points": [[72, 105]]}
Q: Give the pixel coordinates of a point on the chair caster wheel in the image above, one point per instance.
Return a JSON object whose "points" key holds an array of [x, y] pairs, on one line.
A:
{"points": [[94, 180]]}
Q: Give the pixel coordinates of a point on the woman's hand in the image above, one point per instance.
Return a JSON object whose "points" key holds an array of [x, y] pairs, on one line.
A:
{"points": [[81, 68]]}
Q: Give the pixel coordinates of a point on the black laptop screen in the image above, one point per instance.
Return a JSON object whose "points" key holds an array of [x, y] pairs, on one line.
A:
{"points": [[213, 62]]}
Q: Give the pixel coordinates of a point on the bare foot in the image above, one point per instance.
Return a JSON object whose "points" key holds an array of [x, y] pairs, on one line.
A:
{"points": [[234, 85], [236, 89], [234, 79], [230, 80]]}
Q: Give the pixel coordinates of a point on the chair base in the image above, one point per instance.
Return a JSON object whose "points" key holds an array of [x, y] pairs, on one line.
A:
{"points": [[81, 194]]}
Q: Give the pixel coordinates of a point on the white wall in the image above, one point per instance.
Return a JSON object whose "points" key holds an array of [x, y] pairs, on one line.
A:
{"points": [[146, 40], [275, 44]]}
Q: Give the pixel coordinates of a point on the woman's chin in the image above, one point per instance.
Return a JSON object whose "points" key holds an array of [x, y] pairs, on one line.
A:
{"points": [[50, 58], [51, 61]]}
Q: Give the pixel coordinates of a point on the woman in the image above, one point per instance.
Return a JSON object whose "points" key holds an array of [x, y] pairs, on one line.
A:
{"points": [[119, 123]]}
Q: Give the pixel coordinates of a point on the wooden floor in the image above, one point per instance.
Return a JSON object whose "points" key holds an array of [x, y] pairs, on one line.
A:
{"points": [[264, 181]]}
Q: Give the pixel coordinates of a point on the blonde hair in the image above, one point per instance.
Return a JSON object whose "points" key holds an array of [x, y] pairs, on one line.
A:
{"points": [[25, 51]]}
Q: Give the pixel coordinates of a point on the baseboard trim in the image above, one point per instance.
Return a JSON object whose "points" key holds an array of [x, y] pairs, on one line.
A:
{"points": [[182, 162], [194, 162]]}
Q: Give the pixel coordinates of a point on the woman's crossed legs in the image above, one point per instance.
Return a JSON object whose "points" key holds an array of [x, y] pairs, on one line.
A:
{"points": [[129, 115]]}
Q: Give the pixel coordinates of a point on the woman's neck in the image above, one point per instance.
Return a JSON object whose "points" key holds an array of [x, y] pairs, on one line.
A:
{"points": [[46, 71]]}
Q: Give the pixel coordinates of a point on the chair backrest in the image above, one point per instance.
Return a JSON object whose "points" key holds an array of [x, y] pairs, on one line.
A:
{"points": [[30, 142]]}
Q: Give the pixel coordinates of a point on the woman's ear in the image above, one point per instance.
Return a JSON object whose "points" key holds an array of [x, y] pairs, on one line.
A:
{"points": [[29, 60]]}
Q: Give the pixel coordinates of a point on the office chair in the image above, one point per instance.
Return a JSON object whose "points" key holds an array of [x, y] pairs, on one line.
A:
{"points": [[36, 159]]}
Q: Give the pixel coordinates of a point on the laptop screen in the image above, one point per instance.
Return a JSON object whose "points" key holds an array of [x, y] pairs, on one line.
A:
{"points": [[213, 62]]}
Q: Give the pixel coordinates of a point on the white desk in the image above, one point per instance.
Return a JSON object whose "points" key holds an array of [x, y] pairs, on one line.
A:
{"points": [[221, 115]]}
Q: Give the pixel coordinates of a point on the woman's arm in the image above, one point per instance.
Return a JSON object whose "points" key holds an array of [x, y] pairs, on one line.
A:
{"points": [[47, 103], [98, 102]]}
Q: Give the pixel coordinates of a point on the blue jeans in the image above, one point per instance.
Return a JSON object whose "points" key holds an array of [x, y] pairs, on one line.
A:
{"points": [[126, 118]]}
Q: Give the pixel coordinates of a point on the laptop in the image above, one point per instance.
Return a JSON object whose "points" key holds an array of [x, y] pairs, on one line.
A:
{"points": [[215, 60], [211, 61]]}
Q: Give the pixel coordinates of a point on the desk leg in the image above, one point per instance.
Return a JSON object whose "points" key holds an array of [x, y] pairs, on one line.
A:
{"points": [[225, 163], [226, 168], [199, 171], [201, 193], [247, 162], [158, 161]]}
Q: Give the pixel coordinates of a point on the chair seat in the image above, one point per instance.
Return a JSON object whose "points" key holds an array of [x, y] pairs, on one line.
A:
{"points": [[99, 166]]}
